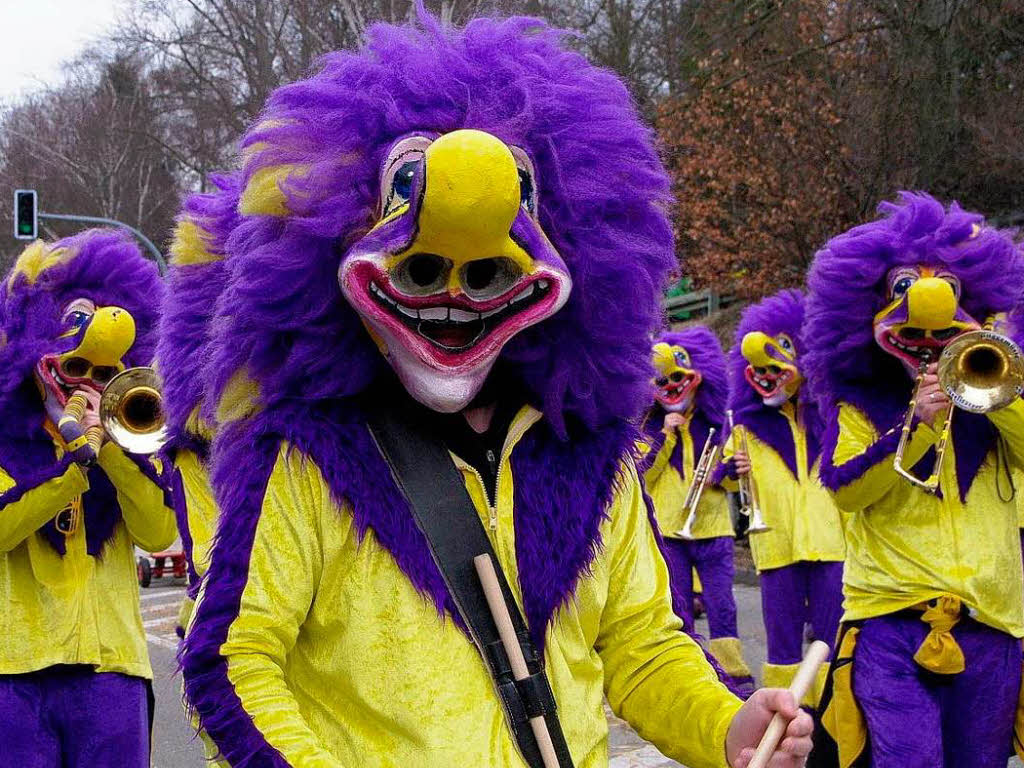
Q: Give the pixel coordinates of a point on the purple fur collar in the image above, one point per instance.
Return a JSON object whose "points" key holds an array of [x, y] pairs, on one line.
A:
{"points": [[974, 437], [559, 511], [771, 427], [699, 427]]}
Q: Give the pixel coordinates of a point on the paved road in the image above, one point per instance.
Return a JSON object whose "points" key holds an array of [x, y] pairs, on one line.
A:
{"points": [[175, 747], [173, 742]]}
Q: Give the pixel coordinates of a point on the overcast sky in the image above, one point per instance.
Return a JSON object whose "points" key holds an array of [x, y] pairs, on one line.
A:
{"points": [[37, 35]]}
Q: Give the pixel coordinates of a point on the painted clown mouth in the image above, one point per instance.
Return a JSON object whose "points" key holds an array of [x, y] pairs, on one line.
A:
{"points": [[59, 376], [675, 389], [457, 325], [449, 329], [767, 381], [915, 346]]}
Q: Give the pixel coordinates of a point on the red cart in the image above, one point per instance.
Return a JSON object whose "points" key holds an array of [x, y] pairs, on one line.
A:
{"points": [[157, 565]]}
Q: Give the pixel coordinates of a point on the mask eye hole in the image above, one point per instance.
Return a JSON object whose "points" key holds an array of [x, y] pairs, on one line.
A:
{"points": [[527, 180], [103, 373], [76, 319], [400, 168], [488, 278], [526, 190], [661, 381], [676, 377], [401, 184], [75, 367], [77, 313], [785, 343], [422, 274], [901, 285]]}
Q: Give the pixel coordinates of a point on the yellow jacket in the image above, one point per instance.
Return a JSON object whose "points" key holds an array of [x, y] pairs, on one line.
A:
{"points": [[197, 520], [77, 609], [340, 661], [804, 520], [1018, 485], [667, 489], [907, 545], [200, 513]]}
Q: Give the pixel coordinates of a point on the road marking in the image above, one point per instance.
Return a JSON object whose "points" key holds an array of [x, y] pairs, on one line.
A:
{"points": [[163, 642], [160, 608], [161, 595]]}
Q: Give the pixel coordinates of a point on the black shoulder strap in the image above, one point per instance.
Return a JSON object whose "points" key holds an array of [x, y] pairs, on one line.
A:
{"points": [[424, 472]]}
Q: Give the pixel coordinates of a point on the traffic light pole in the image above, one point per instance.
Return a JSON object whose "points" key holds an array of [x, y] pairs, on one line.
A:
{"points": [[154, 251]]}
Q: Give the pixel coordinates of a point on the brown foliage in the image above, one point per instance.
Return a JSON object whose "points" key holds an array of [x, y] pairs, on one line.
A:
{"points": [[817, 110]]}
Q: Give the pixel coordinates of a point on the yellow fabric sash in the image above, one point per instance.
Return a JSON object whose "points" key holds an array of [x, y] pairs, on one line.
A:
{"points": [[939, 652], [842, 718]]}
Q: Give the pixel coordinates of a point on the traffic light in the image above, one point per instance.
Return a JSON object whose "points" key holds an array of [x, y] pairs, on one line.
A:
{"points": [[25, 214]]}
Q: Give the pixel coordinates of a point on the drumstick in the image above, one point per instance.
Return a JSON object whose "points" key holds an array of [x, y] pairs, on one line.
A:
{"points": [[802, 680], [510, 642]]}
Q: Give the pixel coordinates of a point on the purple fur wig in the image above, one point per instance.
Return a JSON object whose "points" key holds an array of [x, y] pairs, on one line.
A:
{"points": [[602, 194], [706, 356], [780, 313], [847, 289], [185, 338], [282, 320], [182, 350], [108, 268]]}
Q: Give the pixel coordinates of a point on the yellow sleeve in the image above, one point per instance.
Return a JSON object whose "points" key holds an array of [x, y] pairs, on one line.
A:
{"points": [[656, 676], [661, 458], [859, 444], [284, 567], [1010, 423], [728, 483], [144, 500], [200, 513], [24, 509]]}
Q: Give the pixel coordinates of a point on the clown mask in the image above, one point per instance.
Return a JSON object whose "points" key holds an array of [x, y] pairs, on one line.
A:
{"points": [[456, 265], [95, 341], [923, 315], [771, 367], [676, 381]]}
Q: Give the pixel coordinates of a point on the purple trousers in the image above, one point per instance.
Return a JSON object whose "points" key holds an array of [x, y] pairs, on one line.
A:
{"points": [[72, 716], [795, 594], [713, 560], [919, 719]]}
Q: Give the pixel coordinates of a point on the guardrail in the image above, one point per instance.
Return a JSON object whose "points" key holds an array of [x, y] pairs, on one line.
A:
{"points": [[697, 303]]}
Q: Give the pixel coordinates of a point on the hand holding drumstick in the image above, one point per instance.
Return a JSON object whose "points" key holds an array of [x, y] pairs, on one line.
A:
{"points": [[771, 731]]}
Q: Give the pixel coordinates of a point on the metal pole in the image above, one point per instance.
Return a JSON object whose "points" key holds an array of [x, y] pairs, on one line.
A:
{"points": [[158, 257]]}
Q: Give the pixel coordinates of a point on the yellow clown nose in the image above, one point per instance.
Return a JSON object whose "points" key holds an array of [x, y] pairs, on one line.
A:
{"points": [[663, 358], [931, 304], [108, 338], [471, 195], [754, 348]]}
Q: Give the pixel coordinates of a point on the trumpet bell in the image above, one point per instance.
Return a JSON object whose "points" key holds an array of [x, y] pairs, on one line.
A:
{"points": [[981, 371], [131, 411]]}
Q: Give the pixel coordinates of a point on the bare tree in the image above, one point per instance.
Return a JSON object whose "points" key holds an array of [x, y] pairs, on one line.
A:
{"points": [[90, 146]]}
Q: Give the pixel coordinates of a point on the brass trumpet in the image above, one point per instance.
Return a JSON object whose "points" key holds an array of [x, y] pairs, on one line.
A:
{"points": [[131, 411], [701, 475], [749, 503], [979, 371]]}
